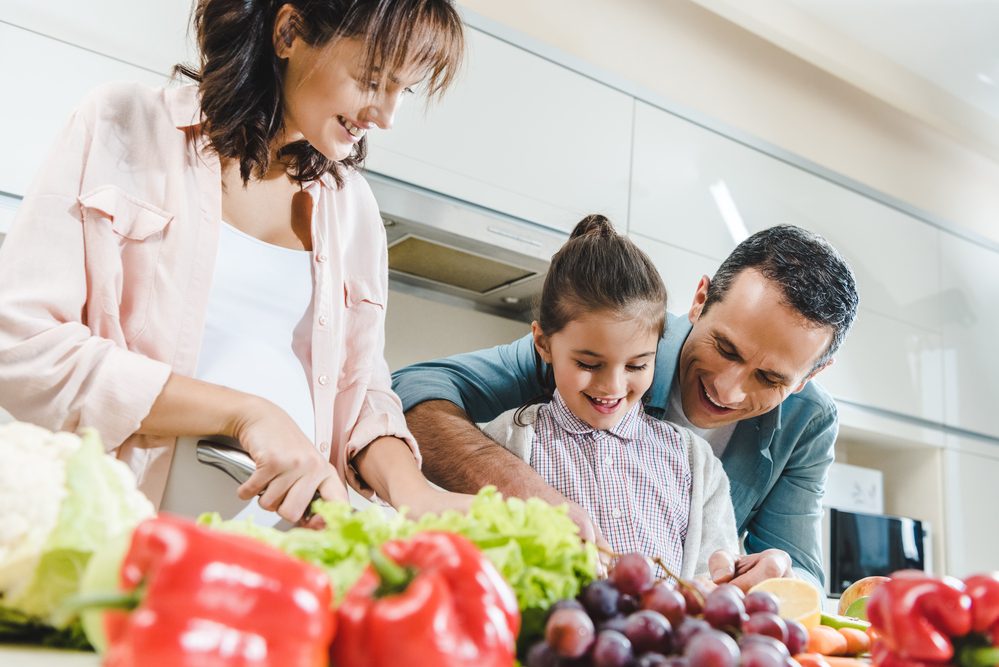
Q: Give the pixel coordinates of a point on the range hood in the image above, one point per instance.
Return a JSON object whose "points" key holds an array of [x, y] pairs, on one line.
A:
{"points": [[439, 246]]}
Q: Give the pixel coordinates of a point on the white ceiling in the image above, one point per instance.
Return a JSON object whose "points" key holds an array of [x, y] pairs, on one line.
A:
{"points": [[937, 60], [951, 43]]}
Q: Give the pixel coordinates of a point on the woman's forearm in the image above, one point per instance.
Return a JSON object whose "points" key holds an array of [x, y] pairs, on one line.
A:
{"points": [[191, 407]]}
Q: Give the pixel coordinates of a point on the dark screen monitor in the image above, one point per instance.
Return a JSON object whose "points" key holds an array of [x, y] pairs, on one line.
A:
{"points": [[862, 545]]}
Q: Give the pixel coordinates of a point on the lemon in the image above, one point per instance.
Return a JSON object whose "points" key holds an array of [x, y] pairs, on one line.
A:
{"points": [[797, 600]]}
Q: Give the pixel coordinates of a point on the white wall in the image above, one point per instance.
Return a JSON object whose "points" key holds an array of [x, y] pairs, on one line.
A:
{"points": [[715, 68]]}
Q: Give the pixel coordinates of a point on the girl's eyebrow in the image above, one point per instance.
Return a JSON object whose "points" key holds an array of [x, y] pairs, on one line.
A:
{"points": [[600, 356]]}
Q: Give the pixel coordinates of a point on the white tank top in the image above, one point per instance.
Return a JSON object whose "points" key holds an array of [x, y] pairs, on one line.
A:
{"points": [[257, 339]]}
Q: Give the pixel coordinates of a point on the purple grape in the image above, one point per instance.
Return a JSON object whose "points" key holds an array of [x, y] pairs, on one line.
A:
{"points": [[712, 648], [694, 595], [618, 623], [632, 574], [765, 640], [758, 654], [611, 649], [761, 601], [541, 655], [723, 609], [732, 589], [569, 632], [649, 631], [627, 604], [569, 603], [667, 601], [652, 660], [766, 623], [797, 637], [688, 628], [600, 599]]}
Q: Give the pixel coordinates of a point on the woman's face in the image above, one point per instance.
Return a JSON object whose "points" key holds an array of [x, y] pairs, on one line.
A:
{"points": [[330, 103]]}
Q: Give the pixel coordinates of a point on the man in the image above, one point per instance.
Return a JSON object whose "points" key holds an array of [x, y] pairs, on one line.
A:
{"points": [[737, 373]]}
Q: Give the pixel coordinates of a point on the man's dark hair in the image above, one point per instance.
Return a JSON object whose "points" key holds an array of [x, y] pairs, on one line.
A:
{"points": [[813, 277]]}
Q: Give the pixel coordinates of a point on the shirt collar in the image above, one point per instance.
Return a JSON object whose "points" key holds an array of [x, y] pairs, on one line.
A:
{"points": [[626, 429]]}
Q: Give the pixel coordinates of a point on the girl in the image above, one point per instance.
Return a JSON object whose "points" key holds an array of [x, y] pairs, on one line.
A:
{"points": [[207, 259], [651, 486]]}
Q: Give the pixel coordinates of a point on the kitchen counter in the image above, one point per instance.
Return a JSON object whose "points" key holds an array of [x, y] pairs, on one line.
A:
{"points": [[32, 656]]}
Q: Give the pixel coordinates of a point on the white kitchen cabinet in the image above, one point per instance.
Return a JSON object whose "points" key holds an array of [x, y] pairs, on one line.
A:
{"points": [[970, 298], [971, 468], [517, 134], [680, 269], [152, 35], [43, 88], [891, 365], [704, 192]]}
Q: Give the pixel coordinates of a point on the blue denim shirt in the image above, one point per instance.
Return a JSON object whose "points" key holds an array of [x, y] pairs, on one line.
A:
{"points": [[776, 463]]}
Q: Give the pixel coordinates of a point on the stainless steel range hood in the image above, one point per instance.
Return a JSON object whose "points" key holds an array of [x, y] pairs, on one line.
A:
{"points": [[451, 250]]}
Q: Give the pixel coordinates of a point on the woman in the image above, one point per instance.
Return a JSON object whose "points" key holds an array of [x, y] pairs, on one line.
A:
{"points": [[207, 259]]}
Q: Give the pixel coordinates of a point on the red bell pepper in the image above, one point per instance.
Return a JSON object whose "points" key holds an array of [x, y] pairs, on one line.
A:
{"points": [[916, 616], [984, 592], [432, 600], [212, 599]]}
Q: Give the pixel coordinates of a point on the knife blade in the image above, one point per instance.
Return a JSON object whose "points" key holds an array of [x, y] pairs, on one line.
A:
{"points": [[236, 463]]}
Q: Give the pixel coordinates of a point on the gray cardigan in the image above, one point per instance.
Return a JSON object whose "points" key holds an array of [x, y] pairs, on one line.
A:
{"points": [[711, 525]]}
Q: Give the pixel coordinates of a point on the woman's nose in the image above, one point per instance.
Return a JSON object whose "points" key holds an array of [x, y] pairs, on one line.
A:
{"points": [[382, 110]]}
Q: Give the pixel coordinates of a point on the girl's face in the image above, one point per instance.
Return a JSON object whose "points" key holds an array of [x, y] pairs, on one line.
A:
{"points": [[329, 102], [603, 364]]}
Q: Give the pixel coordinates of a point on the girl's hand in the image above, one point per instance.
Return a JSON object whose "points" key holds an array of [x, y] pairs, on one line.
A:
{"points": [[430, 500], [289, 467]]}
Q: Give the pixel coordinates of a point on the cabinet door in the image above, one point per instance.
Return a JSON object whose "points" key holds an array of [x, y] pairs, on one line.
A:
{"points": [[970, 294], [516, 134], [44, 89], [970, 499], [703, 192], [680, 269], [152, 35]]}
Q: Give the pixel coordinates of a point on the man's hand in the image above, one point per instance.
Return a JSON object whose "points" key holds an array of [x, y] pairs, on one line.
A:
{"points": [[747, 571]]}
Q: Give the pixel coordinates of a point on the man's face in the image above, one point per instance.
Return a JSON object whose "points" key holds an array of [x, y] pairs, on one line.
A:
{"points": [[747, 353]]}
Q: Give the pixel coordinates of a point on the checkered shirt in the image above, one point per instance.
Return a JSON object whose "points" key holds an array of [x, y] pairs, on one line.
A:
{"points": [[633, 480]]}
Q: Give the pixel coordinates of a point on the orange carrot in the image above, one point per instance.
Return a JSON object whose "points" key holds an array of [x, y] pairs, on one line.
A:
{"points": [[845, 662], [825, 640], [811, 660], [857, 641]]}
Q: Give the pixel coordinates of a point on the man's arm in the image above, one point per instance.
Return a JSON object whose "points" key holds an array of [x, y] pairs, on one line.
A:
{"points": [[442, 398], [790, 516]]}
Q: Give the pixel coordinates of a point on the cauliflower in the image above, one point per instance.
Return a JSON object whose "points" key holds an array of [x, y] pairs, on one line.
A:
{"points": [[61, 496]]}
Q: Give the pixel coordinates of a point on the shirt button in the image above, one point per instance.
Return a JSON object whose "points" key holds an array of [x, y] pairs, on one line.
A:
{"points": [[609, 461], [324, 380], [323, 320], [321, 257], [324, 447], [616, 513]]}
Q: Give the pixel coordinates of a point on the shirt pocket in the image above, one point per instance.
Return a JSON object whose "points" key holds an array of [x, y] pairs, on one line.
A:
{"points": [[363, 324], [127, 233]]}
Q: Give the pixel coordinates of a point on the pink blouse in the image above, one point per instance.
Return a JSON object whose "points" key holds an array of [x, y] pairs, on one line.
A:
{"points": [[105, 274]]}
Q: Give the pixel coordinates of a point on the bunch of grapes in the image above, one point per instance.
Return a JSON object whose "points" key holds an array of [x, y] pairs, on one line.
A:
{"points": [[632, 620]]}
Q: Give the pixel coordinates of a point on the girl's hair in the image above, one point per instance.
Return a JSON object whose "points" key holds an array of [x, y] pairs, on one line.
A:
{"points": [[597, 270], [240, 76]]}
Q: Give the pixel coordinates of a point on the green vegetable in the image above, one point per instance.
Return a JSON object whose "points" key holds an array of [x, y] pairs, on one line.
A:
{"points": [[837, 621], [75, 498], [535, 546]]}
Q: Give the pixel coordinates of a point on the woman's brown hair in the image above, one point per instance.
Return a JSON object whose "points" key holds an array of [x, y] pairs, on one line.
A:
{"points": [[597, 270], [240, 75]]}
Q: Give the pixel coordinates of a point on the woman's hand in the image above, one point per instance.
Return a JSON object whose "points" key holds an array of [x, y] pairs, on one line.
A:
{"points": [[289, 467]]}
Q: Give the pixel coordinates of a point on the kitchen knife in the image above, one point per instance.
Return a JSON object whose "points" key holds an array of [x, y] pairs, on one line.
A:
{"points": [[236, 463]]}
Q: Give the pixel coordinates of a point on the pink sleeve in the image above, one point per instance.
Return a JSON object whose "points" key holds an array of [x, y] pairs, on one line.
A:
{"points": [[53, 370]]}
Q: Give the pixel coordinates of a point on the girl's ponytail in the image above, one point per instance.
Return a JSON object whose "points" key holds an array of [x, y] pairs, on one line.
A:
{"points": [[593, 225]]}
